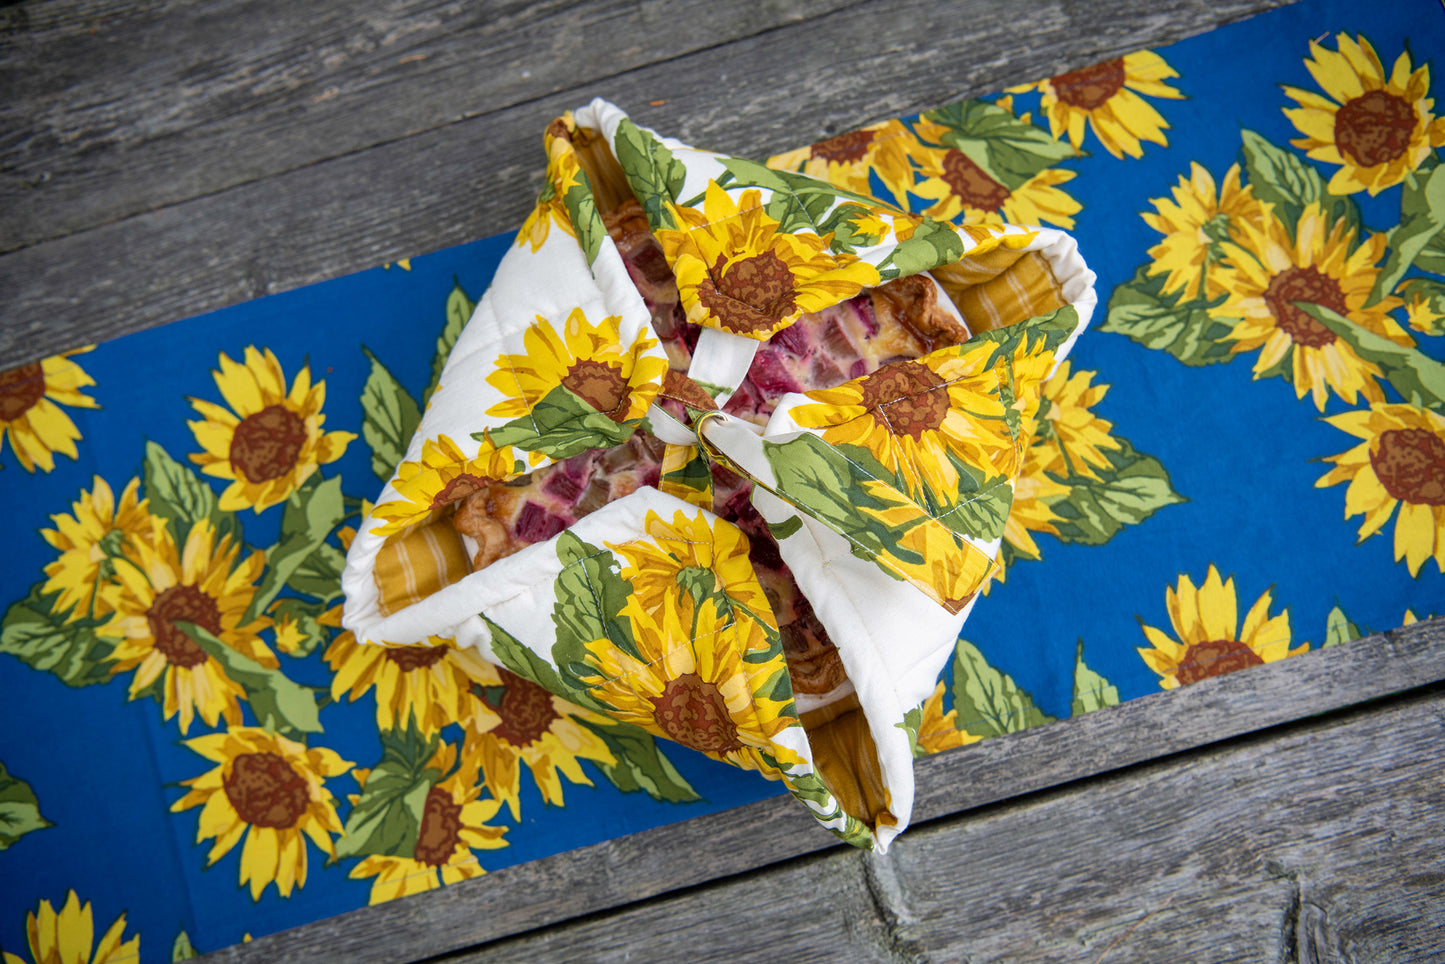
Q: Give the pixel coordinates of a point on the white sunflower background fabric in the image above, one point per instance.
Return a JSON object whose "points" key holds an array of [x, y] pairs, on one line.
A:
{"points": [[648, 611]]}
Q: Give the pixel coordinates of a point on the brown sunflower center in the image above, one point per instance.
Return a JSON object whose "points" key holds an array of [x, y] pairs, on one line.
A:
{"points": [[907, 397], [1410, 463], [20, 389], [1303, 284], [1089, 88], [187, 604], [266, 791], [845, 148], [1215, 658], [1375, 128], [971, 183], [751, 294], [409, 658], [525, 708], [441, 828], [600, 385], [265, 445], [457, 489], [693, 712]]}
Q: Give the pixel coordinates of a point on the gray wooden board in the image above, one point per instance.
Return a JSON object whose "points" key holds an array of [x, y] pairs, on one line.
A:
{"points": [[186, 251], [113, 110], [1320, 844], [738, 842]]}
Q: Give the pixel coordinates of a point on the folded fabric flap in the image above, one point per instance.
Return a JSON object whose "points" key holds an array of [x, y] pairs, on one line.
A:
{"points": [[538, 518]]}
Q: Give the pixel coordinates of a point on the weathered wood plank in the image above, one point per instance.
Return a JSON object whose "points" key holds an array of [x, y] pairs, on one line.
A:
{"points": [[739, 842], [116, 109], [811, 910], [1324, 843], [479, 176], [1321, 844]]}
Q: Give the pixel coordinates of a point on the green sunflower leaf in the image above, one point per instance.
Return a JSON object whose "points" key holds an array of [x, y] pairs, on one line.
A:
{"points": [[1091, 691], [982, 513], [590, 595], [459, 312], [36, 632], [517, 657], [786, 528], [1008, 150], [1041, 333], [581, 207], [655, 175], [692, 474], [844, 226], [19, 810], [278, 703], [989, 702], [1432, 257], [182, 498], [386, 820], [912, 720], [182, 949], [1129, 490], [819, 479], [1418, 378], [1340, 629], [389, 417], [641, 765], [319, 574], [933, 243], [1283, 178], [1140, 310], [803, 211], [1432, 293], [312, 513], [560, 425], [1422, 221]]}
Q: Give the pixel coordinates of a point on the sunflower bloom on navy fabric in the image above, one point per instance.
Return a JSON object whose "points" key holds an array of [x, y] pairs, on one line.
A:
{"points": [[1107, 98], [1377, 125], [424, 683], [1271, 268], [269, 441], [205, 582], [89, 540], [1208, 639], [1195, 223], [512, 722], [454, 822], [1400, 461], [68, 937], [31, 415], [271, 791]]}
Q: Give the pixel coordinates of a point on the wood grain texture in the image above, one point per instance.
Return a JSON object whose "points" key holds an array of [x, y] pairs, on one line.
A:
{"points": [[1297, 846], [113, 110], [739, 842], [1323, 843], [479, 176]]}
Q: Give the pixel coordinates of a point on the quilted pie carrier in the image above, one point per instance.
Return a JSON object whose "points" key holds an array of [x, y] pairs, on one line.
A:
{"points": [[725, 452]]}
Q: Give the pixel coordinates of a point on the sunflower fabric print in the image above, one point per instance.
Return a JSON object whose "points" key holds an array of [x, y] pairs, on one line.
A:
{"points": [[1241, 461], [655, 607]]}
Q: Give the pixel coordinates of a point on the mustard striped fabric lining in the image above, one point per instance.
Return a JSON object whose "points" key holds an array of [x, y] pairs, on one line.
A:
{"points": [[416, 564], [1001, 287]]}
